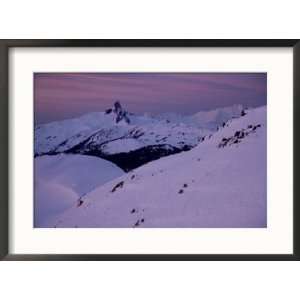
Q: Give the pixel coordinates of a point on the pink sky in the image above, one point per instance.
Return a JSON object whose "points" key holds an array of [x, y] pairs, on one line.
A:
{"points": [[60, 96]]}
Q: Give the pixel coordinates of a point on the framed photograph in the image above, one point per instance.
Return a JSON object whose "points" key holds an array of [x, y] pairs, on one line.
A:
{"points": [[149, 149]]}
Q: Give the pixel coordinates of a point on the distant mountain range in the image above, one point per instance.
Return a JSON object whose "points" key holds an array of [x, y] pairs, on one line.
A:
{"points": [[130, 140]]}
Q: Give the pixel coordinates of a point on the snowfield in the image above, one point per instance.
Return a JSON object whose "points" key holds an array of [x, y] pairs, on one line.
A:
{"points": [[219, 183], [62, 179], [121, 146]]}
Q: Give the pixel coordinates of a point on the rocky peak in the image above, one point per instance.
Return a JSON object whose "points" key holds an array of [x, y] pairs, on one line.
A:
{"points": [[120, 112]]}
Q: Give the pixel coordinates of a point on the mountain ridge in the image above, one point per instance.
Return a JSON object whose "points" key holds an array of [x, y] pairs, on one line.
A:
{"points": [[101, 134]]}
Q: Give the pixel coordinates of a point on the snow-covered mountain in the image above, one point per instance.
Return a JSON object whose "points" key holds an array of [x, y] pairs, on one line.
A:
{"points": [[204, 119], [61, 181], [126, 139], [219, 183]]}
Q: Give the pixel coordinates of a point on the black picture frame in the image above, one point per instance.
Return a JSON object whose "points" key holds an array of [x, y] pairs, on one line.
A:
{"points": [[5, 45]]}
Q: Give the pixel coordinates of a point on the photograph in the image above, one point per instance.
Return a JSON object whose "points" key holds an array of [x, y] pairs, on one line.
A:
{"points": [[150, 150]]}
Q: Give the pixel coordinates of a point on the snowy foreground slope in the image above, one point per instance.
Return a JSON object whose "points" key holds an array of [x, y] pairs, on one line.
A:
{"points": [[219, 183], [62, 179]]}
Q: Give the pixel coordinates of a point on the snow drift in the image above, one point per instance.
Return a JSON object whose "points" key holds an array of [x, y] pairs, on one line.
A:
{"points": [[62, 179]]}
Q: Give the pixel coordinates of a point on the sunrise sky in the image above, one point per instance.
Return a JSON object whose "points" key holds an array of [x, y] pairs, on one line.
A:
{"points": [[60, 96]]}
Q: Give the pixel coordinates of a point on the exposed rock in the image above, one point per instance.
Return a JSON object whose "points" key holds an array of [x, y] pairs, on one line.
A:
{"points": [[79, 202], [121, 114], [238, 136], [118, 185]]}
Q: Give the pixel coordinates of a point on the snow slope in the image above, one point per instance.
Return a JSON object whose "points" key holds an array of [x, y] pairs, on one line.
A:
{"points": [[219, 183], [61, 180]]}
